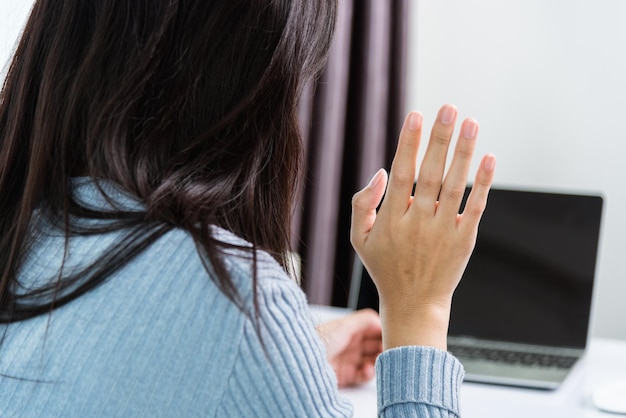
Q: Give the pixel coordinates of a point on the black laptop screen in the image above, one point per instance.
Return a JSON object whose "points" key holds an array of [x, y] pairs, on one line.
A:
{"points": [[530, 278]]}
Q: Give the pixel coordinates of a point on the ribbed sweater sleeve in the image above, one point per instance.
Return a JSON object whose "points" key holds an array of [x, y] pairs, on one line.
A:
{"points": [[418, 382], [285, 374]]}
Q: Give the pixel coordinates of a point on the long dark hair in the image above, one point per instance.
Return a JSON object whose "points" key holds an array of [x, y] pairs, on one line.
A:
{"points": [[187, 105]]}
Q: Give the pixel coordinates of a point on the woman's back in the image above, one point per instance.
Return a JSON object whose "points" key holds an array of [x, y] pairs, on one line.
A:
{"points": [[158, 338]]}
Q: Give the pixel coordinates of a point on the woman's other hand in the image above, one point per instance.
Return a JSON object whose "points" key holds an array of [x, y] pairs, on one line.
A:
{"points": [[353, 343], [417, 247]]}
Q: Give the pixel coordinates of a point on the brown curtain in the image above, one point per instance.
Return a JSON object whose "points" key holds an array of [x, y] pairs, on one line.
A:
{"points": [[351, 118]]}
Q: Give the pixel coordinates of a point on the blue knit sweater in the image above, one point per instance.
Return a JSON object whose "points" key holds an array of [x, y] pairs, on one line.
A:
{"points": [[158, 339]]}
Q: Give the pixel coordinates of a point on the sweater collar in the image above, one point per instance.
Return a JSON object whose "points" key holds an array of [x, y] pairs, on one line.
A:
{"points": [[102, 194]]}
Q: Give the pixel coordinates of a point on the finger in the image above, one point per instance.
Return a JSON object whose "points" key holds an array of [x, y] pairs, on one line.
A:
{"points": [[368, 320], [455, 181], [402, 174], [477, 200], [357, 376], [364, 204], [367, 325], [433, 165], [372, 347], [366, 373], [345, 376]]}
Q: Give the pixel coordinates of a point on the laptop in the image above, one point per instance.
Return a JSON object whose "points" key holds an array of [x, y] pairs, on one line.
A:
{"points": [[520, 315]]}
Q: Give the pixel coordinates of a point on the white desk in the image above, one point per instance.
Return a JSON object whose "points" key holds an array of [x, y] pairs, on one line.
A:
{"points": [[605, 361]]}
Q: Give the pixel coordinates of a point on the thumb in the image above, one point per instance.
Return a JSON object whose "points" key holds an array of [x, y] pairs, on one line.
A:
{"points": [[364, 204]]}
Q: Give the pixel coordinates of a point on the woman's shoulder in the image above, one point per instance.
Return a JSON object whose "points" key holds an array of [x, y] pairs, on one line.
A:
{"points": [[242, 262], [245, 266], [177, 247]]}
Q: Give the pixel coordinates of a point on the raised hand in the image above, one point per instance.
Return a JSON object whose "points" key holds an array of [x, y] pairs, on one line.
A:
{"points": [[417, 247]]}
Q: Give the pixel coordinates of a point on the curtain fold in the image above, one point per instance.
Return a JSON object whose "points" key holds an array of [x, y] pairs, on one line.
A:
{"points": [[350, 121]]}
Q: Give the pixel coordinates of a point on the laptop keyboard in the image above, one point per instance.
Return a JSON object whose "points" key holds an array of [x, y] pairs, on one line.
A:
{"points": [[513, 357]]}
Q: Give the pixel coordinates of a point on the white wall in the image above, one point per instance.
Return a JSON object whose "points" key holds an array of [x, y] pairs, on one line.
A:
{"points": [[13, 17], [546, 80]]}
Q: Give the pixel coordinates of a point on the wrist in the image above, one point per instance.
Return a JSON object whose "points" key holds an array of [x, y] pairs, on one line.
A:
{"points": [[424, 325]]}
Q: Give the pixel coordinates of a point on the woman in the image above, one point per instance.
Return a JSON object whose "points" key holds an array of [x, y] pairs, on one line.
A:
{"points": [[149, 153]]}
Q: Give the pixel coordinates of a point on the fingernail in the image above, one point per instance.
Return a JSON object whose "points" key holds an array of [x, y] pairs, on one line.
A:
{"points": [[490, 162], [447, 115], [470, 129], [376, 179], [414, 122]]}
